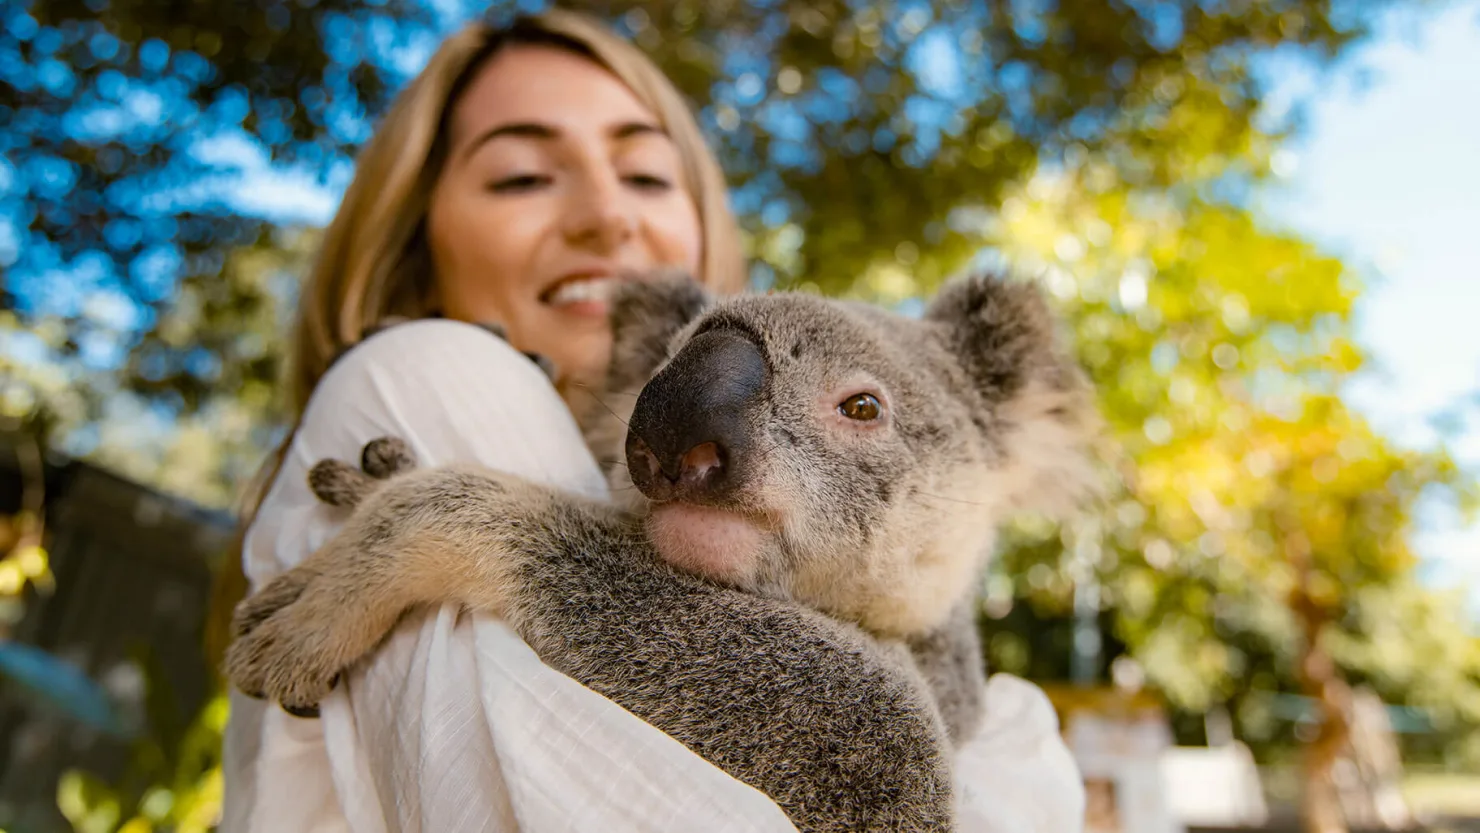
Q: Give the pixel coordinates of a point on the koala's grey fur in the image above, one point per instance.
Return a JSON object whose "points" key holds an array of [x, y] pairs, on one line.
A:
{"points": [[951, 660], [833, 668]]}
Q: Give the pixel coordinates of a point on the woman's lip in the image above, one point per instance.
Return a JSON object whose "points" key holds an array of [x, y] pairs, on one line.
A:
{"points": [[583, 309]]}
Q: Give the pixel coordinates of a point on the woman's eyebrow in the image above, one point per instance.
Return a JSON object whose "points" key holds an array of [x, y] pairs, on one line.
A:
{"points": [[535, 130], [637, 128], [529, 130]]}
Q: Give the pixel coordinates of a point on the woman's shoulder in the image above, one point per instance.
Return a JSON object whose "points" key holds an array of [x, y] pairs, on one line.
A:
{"points": [[429, 360], [429, 346], [453, 391]]}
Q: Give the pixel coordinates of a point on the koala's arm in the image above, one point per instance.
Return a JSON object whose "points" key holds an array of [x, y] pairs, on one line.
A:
{"points": [[951, 660], [804, 708]]}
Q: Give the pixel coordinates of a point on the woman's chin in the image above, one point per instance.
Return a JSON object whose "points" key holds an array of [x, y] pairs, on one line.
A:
{"points": [[707, 542]]}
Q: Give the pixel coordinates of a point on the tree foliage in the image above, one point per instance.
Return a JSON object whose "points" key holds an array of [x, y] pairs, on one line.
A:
{"points": [[1249, 501], [854, 134]]}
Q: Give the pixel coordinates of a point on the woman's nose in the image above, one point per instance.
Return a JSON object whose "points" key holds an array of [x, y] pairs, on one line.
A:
{"points": [[598, 214]]}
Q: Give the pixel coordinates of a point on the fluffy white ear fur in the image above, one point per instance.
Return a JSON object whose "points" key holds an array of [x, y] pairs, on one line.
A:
{"points": [[1049, 446]]}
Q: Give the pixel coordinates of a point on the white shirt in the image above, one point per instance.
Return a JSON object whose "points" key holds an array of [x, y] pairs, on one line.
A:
{"points": [[455, 724]]}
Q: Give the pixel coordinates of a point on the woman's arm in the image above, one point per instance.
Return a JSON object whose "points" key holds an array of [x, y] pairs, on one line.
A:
{"points": [[455, 724]]}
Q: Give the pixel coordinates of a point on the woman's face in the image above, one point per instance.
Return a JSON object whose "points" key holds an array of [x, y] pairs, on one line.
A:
{"points": [[557, 181]]}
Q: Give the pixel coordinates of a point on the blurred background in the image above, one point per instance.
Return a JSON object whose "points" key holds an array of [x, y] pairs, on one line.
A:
{"points": [[1260, 218]]}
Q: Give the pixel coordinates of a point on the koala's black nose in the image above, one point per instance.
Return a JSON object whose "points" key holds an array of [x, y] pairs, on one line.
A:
{"points": [[691, 430]]}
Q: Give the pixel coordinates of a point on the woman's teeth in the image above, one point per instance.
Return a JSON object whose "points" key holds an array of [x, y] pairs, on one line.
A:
{"points": [[583, 291]]}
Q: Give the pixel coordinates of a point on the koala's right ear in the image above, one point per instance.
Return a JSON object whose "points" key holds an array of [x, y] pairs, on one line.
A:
{"points": [[1002, 332], [645, 316], [1012, 352]]}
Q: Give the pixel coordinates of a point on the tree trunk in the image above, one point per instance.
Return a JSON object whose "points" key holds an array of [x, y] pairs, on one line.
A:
{"points": [[1320, 799], [1320, 805]]}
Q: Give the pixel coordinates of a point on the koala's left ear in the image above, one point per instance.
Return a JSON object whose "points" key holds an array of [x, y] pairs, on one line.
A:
{"points": [[1042, 406], [645, 316]]}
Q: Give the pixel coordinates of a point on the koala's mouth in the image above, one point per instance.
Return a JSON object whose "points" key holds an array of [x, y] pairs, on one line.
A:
{"points": [[713, 543]]}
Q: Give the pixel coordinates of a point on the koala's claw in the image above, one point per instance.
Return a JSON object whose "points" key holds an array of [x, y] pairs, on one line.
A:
{"points": [[386, 457], [278, 653]]}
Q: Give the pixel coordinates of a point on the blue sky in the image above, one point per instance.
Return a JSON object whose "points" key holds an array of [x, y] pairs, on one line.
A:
{"points": [[1387, 173]]}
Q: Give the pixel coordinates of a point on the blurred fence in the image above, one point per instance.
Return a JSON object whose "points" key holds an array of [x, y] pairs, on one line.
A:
{"points": [[132, 577]]}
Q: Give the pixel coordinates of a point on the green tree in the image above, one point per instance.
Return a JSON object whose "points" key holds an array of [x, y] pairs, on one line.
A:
{"points": [[1256, 539]]}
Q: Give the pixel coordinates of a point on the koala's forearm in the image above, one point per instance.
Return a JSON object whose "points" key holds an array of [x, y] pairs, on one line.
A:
{"points": [[838, 729], [804, 708]]}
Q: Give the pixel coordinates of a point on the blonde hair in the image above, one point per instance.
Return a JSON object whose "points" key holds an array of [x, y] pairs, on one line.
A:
{"points": [[374, 263]]}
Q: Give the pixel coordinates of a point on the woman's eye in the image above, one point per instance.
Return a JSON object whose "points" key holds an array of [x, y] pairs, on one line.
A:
{"points": [[514, 184], [863, 407], [648, 182]]}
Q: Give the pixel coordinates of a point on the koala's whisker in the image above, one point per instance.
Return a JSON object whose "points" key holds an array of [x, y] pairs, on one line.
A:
{"points": [[603, 404], [606, 391], [952, 499]]}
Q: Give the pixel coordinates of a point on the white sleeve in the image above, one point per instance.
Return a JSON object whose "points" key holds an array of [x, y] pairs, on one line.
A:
{"points": [[454, 724], [1017, 774]]}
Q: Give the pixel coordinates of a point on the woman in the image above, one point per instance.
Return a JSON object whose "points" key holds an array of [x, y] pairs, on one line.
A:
{"points": [[512, 183]]}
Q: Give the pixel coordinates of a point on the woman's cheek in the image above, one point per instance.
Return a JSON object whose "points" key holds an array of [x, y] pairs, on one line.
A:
{"points": [[674, 236]]}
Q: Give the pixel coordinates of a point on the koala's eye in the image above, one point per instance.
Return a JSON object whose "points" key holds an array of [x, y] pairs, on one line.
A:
{"points": [[863, 407]]}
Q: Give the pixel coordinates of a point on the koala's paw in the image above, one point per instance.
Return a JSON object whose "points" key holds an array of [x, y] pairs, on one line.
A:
{"points": [[260, 606], [287, 649], [386, 457], [340, 484]]}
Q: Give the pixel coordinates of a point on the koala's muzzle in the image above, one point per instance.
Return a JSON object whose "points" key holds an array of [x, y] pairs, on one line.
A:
{"points": [[691, 431]]}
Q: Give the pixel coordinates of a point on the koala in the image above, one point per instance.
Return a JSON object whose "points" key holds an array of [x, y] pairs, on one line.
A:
{"points": [[808, 490]]}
